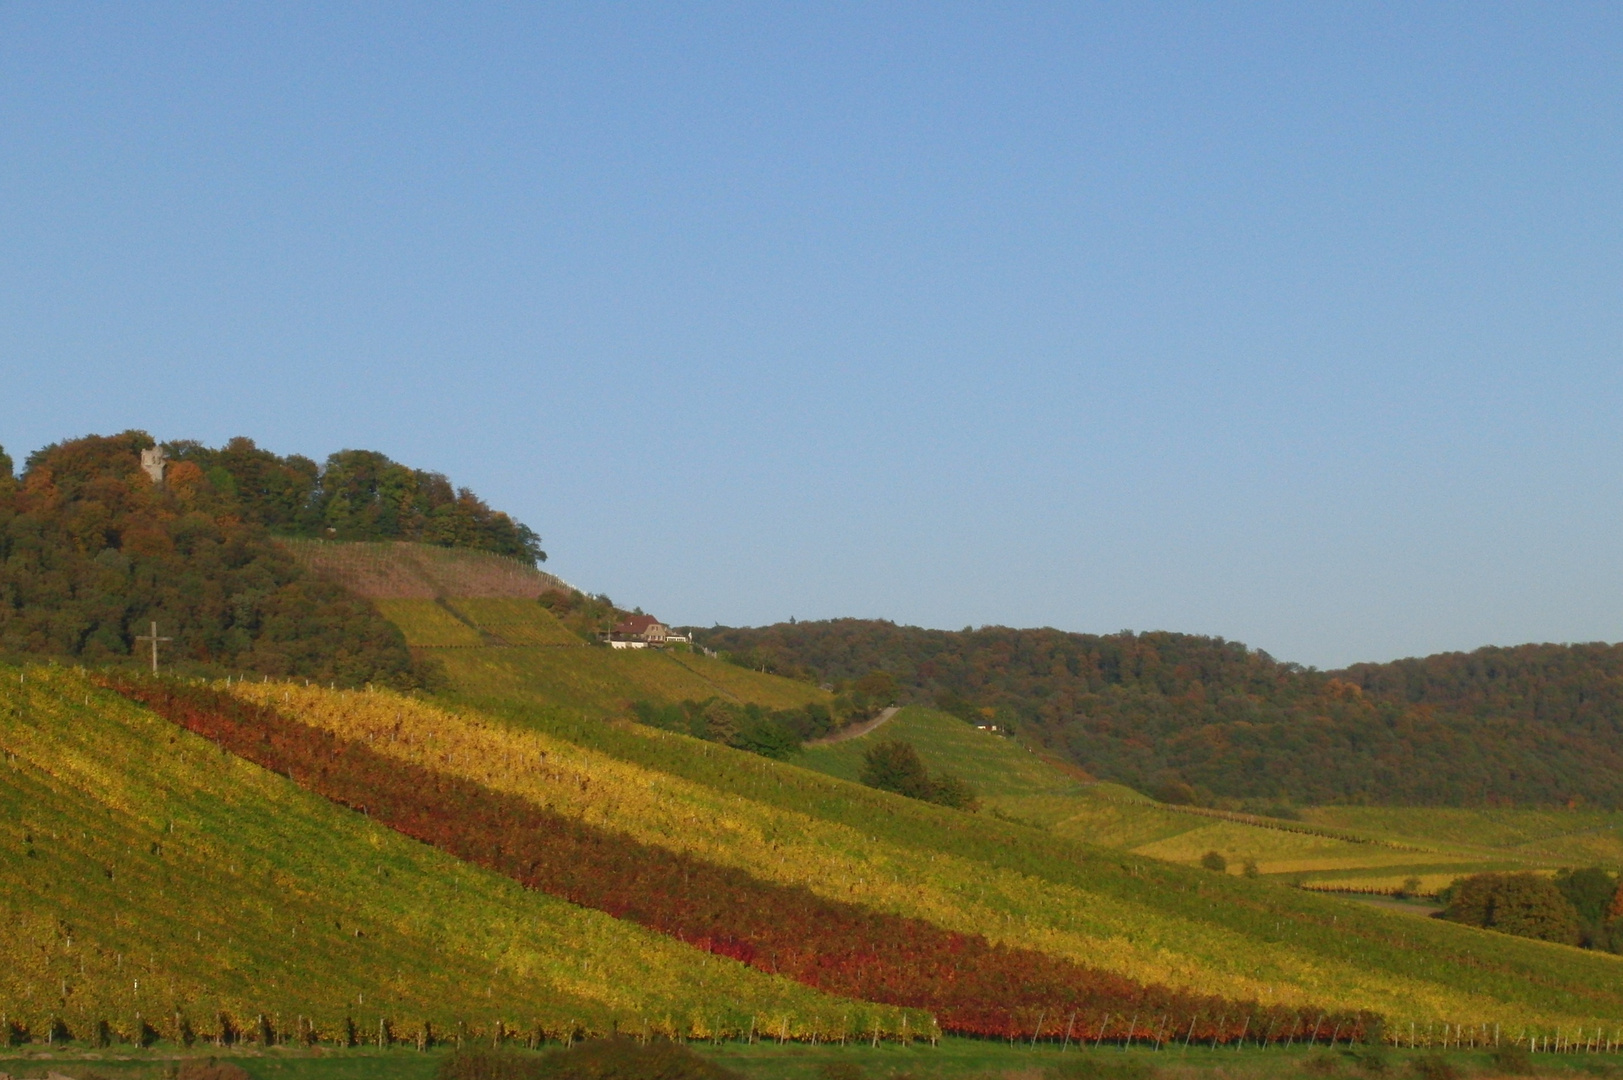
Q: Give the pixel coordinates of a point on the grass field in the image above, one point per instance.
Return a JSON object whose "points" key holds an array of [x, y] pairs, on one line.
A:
{"points": [[1015, 884], [952, 1059], [143, 872]]}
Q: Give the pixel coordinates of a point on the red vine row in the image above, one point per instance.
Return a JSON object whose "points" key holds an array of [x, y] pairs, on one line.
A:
{"points": [[973, 987]]}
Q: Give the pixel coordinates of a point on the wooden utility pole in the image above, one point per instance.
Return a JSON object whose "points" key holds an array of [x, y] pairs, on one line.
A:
{"points": [[153, 637]]}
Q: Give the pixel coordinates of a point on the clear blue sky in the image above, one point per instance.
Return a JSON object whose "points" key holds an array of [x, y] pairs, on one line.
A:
{"points": [[1300, 324]]}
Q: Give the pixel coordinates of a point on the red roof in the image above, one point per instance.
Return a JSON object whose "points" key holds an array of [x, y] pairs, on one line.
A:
{"points": [[637, 624]]}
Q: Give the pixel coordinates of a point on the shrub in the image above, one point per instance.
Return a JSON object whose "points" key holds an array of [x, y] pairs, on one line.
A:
{"points": [[1371, 1058], [894, 765], [1523, 904], [211, 1070], [1214, 861], [1323, 1063], [1250, 869], [1087, 1066], [1434, 1067], [484, 1063], [841, 1070], [626, 1059], [1512, 1059]]}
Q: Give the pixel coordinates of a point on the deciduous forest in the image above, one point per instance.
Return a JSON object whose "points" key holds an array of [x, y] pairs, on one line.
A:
{"points": [[92, 551], [1199, 719]]}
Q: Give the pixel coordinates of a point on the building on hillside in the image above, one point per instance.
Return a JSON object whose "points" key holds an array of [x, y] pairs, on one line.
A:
{"points": [[639, 632]]}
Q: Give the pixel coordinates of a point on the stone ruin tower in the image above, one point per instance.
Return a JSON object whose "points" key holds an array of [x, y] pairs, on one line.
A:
{"points": [[153, 462]]}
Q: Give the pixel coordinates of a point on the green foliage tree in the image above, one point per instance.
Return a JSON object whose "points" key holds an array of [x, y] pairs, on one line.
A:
{"points": [[356, 495], [894, 765], [745, 727], [1589, 891], [1214, 861], [1523, 904]]}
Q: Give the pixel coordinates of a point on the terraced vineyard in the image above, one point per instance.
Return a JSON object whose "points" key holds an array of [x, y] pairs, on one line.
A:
{"points": [[397, 570], [1019, 886], [148, 879], [595, 683]]}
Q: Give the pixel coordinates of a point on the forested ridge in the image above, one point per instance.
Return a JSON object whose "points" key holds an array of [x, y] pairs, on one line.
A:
{"points": [[355, 495], [93, 551], [1193, 718]]}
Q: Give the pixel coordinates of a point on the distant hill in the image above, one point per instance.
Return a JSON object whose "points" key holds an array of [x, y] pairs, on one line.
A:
{"points": [[1199, 719]]}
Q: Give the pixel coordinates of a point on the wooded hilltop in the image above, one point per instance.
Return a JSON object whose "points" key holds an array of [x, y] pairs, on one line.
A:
{"points": [[92, 551]]}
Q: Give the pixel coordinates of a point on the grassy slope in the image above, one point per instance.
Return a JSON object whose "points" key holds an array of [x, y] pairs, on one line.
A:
{"points": [[164, 875], [1013, 883], [998, 767]]}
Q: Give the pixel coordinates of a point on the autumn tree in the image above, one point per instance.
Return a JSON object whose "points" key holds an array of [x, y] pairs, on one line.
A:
{"points": [[894, 765], [1523, 904]]}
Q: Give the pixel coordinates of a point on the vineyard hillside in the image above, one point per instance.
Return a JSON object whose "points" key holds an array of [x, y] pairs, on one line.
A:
{"points": [[600, 683], [144, 874], [398, 570], [1021, 887]]}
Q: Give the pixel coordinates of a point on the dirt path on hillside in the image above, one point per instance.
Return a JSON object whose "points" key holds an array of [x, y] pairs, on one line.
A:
{"points": [[858, 730]]}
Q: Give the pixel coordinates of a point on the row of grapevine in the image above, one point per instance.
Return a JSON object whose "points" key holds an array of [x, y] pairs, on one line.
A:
{"points": [[971, 985], [1020, 906]]}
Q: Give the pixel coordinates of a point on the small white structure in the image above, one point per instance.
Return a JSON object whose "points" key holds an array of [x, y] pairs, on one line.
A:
{"points": [[153, 462]]}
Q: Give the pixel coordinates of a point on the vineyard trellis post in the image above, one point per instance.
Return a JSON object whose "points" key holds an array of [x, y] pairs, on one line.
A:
{"points": [[1069, 1024], [1038, 1030], [1131, 1025], [1240, 1043], [1191, 1034], [1217, 1032]]}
